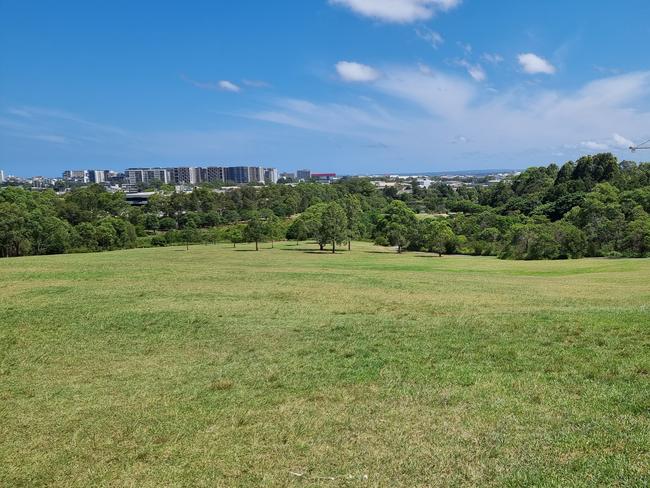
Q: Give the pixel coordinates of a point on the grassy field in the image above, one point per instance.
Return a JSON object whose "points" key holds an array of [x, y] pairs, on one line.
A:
{"points": [[288, 367]]}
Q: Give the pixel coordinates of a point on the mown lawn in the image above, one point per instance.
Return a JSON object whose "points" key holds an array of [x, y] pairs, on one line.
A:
{"points": [[287, 367]]}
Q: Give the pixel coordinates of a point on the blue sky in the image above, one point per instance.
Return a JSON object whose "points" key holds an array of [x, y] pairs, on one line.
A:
{"points": [[352, 86]]}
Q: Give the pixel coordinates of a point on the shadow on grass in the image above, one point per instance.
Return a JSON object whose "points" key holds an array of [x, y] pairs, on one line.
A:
{"points": [[303, 249], [316, 251]]}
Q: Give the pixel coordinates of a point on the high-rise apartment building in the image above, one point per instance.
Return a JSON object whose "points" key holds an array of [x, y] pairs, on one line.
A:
{"points": [[185, 175], [270, 175], [303, 175], [244, 174], [213, 174], [145, 176], [97, 175], [76, 175]]}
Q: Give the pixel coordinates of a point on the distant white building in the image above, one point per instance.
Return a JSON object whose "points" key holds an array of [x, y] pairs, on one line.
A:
{"points": [[77, 175], [97, 176], [425, 182], [185, 175], [271, 175], [2, 176]]}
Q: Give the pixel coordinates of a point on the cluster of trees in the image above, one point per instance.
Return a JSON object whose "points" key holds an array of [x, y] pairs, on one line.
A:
{"points": [[88, 219], [594, 206]]}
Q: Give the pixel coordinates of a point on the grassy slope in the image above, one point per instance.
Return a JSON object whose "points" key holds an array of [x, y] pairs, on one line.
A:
{"points": [[217, 367]]}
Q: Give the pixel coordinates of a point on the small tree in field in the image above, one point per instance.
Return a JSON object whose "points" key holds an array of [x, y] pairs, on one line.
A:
{"points": [[354, 213], [298, 230], [255, 231], [312, 218], [334, 225], [235, 235], [273, 228], [398, 235]]}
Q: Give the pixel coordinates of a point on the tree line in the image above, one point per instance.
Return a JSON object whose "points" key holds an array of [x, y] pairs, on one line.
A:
{"points": [[594, 206]]}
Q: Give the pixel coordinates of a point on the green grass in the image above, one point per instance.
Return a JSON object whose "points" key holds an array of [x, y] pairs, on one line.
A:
{"points": [[222, 367]]}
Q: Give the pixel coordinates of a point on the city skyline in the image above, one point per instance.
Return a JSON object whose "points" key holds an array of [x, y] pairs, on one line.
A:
{"points": [[349, 86]]}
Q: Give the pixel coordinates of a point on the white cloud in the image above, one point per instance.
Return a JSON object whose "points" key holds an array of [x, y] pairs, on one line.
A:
{"points": [[476, 71], [400, 11], [459, 140], [326, 117], [229, 86], [356, 72], [439, 94], [458, 122], [432, 37], [622, 142], [423, 118], [594, 146], [492, 58], [467, 48], [533, 64], [62, 129], [223, 85]]}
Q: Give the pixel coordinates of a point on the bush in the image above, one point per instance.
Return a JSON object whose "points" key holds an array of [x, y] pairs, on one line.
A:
{"points": [[158, 241]]}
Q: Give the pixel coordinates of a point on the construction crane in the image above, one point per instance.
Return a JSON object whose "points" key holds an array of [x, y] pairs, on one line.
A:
{"points": [[643, 145]]}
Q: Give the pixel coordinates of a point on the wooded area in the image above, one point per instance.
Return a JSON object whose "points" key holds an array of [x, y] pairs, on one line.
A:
{"points": [[594, 206]]}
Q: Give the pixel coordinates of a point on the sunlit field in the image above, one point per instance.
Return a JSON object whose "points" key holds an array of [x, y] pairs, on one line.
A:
{"points": [[290, 367]]}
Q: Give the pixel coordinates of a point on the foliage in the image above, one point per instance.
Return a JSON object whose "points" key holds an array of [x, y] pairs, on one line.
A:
{"points": [[334, 225], [255, 231], [397, 226], [594, 206]]}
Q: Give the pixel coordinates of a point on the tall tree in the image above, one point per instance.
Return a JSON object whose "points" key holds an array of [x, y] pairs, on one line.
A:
{"points": [[234, 234], [311, 218], [354, 214], [397, 225], [255, 231], [298, 230], [273, 228], [334, 225]]}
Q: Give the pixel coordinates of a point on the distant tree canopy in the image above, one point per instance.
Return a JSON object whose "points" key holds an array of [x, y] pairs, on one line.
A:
{"points": [[594, 206]]}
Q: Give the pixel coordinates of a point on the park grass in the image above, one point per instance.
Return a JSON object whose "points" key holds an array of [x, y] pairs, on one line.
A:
{"points": [[289, 367]]}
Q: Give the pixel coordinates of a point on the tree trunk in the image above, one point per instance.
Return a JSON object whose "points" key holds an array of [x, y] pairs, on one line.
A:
{"points": [[320, 244], [399, 249], [257, 247], [333, 247], [349, 245], [234, 244], [272, 243]]}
